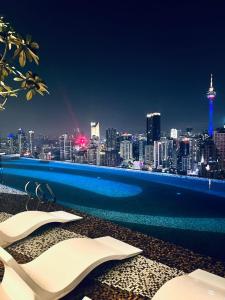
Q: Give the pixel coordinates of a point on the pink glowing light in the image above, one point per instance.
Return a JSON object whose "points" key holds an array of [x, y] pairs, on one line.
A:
{"points": [[81, 140], [211, 96]]}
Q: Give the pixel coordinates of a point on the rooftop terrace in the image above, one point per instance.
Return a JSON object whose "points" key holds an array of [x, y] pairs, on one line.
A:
{"points": [[136, 278]]}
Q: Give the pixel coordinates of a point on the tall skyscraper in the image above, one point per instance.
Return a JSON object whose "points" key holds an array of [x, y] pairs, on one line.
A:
{"points": [[219, 140], [112, 157], [157, 154], [93, 153], [141, 149], [153, 128], [126, 150], [111, 139], [183, 157], [31, 141], [174, 133], [65, 146], [211, 96], [168, 152], [21, 140], [11, 139], [95, 130]]}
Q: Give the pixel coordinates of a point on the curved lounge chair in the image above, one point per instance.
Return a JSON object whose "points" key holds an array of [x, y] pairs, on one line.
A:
{"points": [[22, 224], [60, 269], [198, 285]]}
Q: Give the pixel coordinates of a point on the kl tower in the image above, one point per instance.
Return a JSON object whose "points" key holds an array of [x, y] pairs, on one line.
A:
{"points": [[211, 95]]}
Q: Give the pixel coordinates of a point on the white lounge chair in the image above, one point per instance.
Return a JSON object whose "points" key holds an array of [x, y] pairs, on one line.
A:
{"points": [[198, 285], [22, 224], [60, 269]]}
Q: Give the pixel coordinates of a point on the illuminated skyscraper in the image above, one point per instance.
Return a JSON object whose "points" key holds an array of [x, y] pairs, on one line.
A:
{"points": [[126, 150], [11, 138], [219, 140], [95, 130], [183, 156], [31, 141], [153, 128], [211, 95], [21, 140], [65, 146], [174, 133], [111, 137]]}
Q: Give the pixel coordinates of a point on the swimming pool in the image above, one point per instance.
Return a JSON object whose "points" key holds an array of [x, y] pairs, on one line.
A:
{"points": [[178, 209]]}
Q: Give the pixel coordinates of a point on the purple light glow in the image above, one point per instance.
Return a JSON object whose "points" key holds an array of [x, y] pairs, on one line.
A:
{"points": [[211, 96]]}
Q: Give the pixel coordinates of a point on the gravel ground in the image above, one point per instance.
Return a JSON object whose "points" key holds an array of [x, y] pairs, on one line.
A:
{"points": [[136, 278]]}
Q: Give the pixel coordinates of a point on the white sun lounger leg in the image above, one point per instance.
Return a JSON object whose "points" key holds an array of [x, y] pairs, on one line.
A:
{"points": [[198, 285], [75, 259], [16, 284], [22, 224]]}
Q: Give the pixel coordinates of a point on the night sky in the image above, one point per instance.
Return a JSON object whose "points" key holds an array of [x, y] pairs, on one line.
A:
{"points": [[115, 61]]}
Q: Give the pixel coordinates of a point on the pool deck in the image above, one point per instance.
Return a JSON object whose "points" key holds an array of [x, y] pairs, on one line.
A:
{"points": [[136, 278]]}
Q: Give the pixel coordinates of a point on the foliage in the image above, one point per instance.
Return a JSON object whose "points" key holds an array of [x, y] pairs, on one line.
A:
{"points": [[17, 51]]}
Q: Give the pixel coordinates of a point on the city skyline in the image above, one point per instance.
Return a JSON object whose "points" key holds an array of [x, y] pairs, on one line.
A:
{"points": [[121, 62], [210, 95], [87, 134], [185, 153]]}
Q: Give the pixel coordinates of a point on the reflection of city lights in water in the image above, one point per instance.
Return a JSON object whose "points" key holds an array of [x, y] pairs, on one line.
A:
{"points": [[109, 188]]}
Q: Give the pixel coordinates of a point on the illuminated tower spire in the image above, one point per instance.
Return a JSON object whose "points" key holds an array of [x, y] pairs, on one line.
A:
{"points": [[211, 96]]}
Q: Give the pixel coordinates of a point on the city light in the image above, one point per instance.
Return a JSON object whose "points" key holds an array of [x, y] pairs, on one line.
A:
{"points": [[211, 95], [81, 141]]}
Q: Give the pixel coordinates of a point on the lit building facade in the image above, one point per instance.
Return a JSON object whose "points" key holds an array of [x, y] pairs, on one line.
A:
{"points": [[174, 133], [142, 144], [126, 150], [149, 155], [219, 141], [153, 127], [65, 146], [21, 141], [157, 155], [183, 157], [31, 141], [111, 139], [211, 96], [95, 130]]}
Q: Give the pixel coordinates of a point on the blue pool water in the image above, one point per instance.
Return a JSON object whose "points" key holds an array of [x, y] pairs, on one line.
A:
{"points": [[178, 209]]}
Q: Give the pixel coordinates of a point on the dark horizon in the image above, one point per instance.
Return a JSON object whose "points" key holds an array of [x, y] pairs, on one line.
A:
{"points": [[115, 62]]}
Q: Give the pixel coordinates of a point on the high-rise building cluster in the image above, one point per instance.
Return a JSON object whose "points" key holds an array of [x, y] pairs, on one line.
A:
{"points": [[182, 152], [177, 152]]}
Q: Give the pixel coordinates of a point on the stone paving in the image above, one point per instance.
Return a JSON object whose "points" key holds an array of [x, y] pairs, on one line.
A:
{"points": [[137, 278], [8, 190], [139, 275]]}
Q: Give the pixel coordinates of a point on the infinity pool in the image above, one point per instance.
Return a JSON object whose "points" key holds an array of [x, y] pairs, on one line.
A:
{"points": [[183, 210]]}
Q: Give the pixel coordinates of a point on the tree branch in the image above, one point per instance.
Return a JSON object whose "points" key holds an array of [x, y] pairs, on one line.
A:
{"points": [[3, 104], [11, 92], [4, 53]]}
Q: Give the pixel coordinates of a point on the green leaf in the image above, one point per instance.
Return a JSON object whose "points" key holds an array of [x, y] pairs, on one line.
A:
{"points": [[34, 56], [40, 92], [22, 58], [23, 84], [21, 74], [17, 51], [29, 95], [17, 79]]}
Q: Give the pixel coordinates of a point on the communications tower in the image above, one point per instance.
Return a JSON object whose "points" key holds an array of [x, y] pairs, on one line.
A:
{"points": [[211, 96]]}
